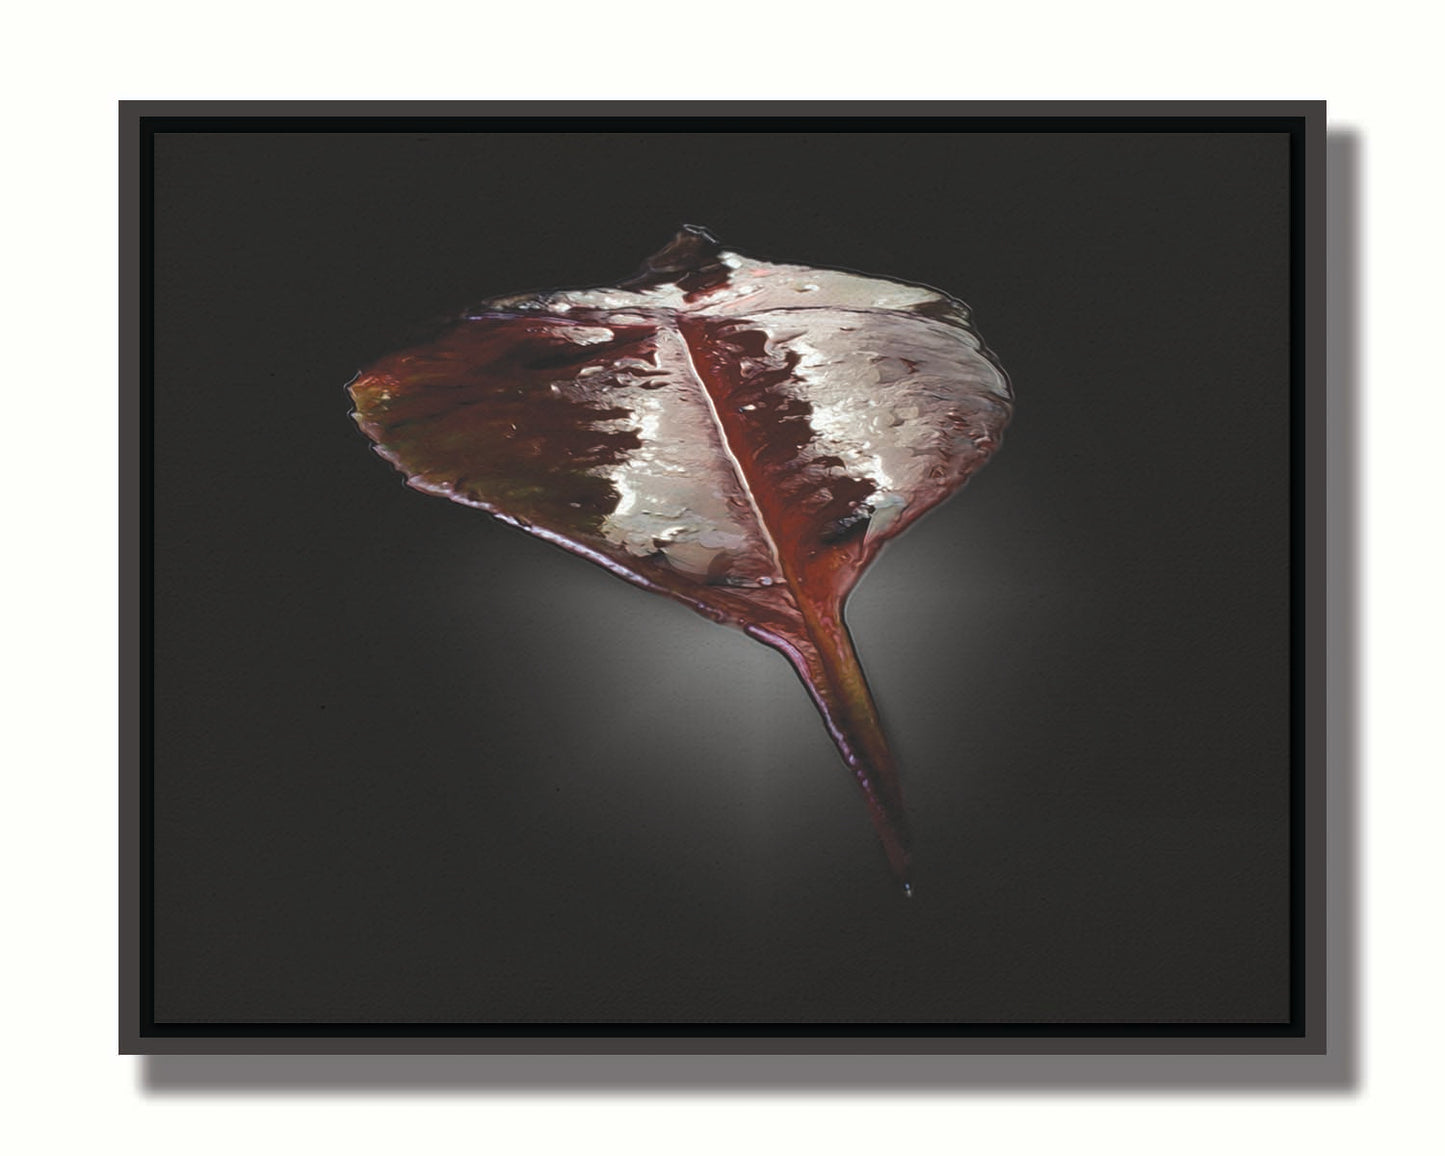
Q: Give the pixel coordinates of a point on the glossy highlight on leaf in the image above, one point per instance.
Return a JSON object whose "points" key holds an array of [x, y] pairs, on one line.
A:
{"points": [[739, 435]]}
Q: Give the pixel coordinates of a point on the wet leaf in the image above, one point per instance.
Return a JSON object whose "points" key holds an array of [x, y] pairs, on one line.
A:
{"points": [[740, 435]]}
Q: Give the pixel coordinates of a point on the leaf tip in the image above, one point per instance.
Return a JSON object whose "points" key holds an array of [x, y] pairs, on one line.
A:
{"points": [[694, 247]]}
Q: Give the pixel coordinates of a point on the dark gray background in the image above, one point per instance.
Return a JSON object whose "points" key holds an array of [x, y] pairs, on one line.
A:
{"points": [[412, 765]]}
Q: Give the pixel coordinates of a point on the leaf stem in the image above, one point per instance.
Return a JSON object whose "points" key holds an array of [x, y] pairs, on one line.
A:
{"points": [[828, 665]]}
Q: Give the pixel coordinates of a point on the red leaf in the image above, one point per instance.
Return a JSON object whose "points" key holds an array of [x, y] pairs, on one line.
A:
{"points": [[739, 435]]}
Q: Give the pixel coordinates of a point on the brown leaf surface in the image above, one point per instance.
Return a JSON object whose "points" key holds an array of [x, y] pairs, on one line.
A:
{"points": [[740, 435]]}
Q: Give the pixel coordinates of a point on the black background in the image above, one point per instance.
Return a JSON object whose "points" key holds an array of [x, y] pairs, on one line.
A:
{"points": [[414, 766]]}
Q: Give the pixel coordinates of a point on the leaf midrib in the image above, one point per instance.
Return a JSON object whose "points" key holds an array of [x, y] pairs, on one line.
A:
{"points": [[744, 482]]}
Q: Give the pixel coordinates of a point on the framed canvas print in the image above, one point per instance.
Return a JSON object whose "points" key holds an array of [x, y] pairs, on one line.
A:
{"points": [[498, 475]]}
